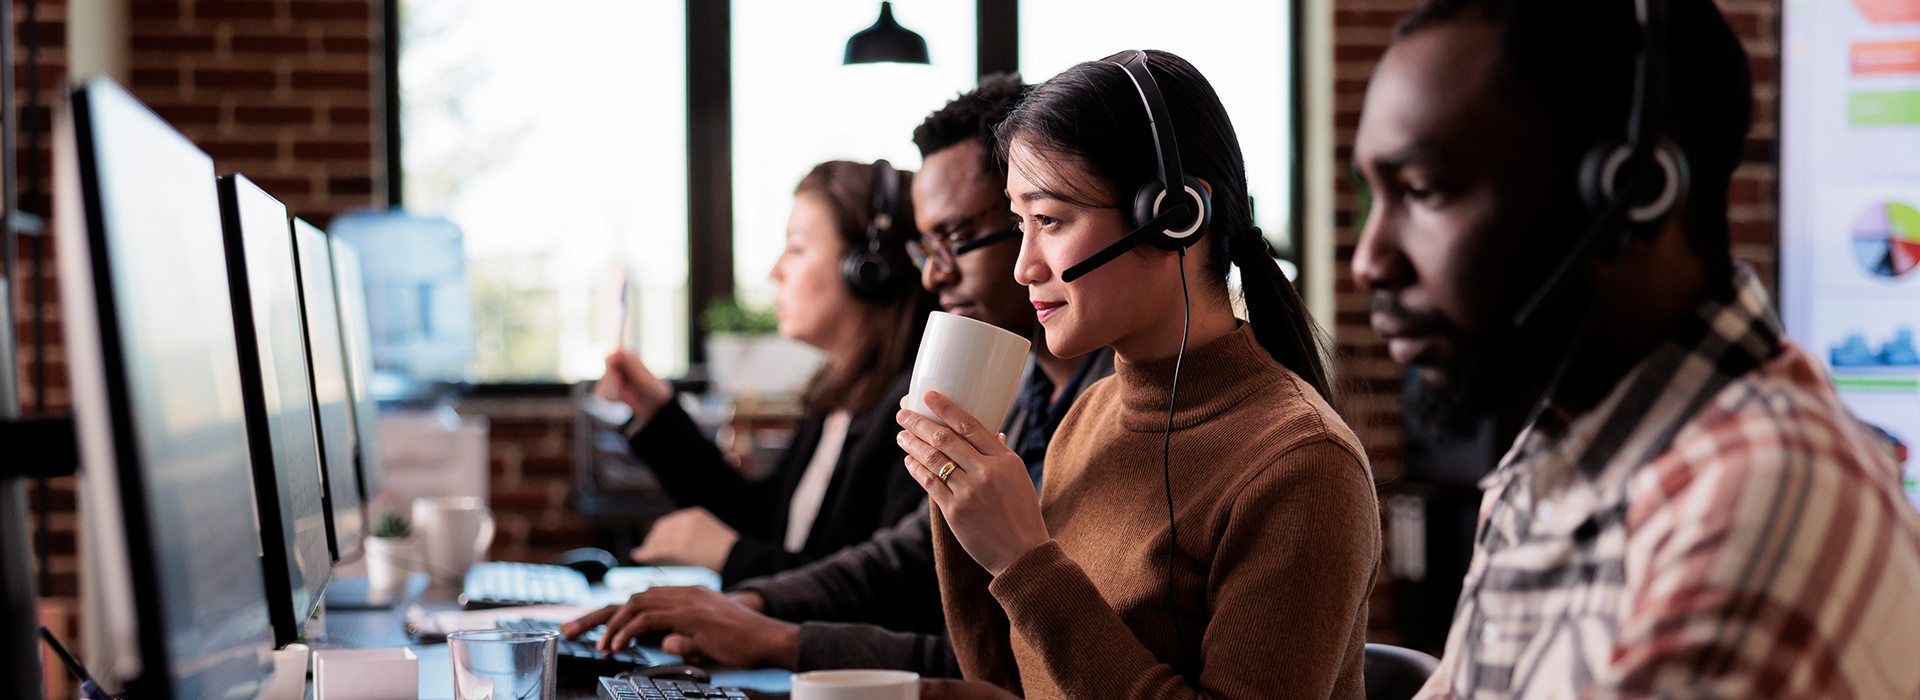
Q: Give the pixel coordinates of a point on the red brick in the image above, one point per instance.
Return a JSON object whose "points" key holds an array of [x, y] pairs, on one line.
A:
{"points": [[285, 186], [154, 9], [332, 150], [331, 10], [234, 9], [186, 43], [331, 80], [53, 35], [525, 497], [188, 114], [565, 535], [279, 43], [273, 115], [250, 150], [347, 44], [155, 77], [349, 185], [547, 466], [235, 79], [350, 115], [521, 430]]}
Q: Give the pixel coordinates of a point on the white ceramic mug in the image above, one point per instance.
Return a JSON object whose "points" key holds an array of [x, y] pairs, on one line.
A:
{"points": [[974, 363], [856, 685], [453, 532]]}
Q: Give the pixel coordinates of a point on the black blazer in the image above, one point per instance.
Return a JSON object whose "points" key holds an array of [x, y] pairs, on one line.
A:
{"points": [[870, 489]]}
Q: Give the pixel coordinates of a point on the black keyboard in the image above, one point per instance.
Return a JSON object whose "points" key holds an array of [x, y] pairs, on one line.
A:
{"points": [[498, 584], [662, 689], [578, 662]]}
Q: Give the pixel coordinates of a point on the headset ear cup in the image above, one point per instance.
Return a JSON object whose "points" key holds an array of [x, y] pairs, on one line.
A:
{"points": [[1593, 168], [1148, 200], [867, 274], [1603, 172], [1204, 200], [1143, 201]]}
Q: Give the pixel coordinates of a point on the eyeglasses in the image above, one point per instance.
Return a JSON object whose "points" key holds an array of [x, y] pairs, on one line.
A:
{"points": [[941, 249]]}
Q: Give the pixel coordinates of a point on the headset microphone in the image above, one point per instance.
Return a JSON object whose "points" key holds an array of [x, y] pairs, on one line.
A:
{"points": [[1165, 225]]}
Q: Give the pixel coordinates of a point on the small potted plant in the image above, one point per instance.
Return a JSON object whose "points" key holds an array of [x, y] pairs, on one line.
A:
{"points": [[747, 358], [389, 552]]}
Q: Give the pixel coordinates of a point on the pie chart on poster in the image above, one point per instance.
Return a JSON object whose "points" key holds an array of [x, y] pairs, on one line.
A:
{"points": [[1886, 239]]}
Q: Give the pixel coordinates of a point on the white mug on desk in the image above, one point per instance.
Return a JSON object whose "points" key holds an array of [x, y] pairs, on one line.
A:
{"points": [[453, 533], [856, 685]]}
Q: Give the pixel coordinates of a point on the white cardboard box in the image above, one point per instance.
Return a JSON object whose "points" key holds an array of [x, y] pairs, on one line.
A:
{"points": [[366, 674]]}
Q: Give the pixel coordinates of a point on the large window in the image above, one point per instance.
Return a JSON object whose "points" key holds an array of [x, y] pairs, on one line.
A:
{"points": [[1244, 47], [556, 139], [795, 105]]}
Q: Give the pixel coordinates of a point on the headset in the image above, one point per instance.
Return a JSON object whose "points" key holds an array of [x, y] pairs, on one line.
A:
{"points": [[1618, 174], [1617, 178], [869, 272], [1164, 225], [1171, 227]]}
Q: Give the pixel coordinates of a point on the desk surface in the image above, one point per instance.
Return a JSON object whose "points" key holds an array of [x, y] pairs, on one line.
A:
{"points": [[385, 628]]}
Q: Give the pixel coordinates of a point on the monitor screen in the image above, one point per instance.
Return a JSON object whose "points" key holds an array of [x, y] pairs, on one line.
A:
{"points": [[158, 407], [273, 378], [346, 523], [358, 335]]}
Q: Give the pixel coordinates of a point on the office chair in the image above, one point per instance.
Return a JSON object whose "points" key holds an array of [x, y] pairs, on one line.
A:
{"points": [[1395, 673]]}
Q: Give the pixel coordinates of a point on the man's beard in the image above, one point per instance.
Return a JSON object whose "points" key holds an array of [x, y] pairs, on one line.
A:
{"points": [[1498, 371]]}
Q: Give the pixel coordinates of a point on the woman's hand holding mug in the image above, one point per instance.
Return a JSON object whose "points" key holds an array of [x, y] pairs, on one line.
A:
{"points": [[986, 496]]}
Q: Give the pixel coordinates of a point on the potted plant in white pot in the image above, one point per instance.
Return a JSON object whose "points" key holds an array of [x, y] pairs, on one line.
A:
{"points": [[749, 361], [390, 554]]}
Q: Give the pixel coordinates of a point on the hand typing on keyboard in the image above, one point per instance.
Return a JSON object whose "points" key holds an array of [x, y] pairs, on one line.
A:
{"points": [[703, 625]]}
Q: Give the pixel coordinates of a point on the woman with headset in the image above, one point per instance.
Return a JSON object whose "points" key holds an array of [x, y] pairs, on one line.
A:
{"points": [[1207, 524], [844, 285]]}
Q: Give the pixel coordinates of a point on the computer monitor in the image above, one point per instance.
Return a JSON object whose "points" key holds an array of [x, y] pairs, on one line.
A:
{"points": [[175, 599], [274, 386], [346, 519], [358, 335]]}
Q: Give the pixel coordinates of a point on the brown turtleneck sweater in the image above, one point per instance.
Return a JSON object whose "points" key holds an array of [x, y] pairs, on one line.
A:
{"points": [[1279, 537]]}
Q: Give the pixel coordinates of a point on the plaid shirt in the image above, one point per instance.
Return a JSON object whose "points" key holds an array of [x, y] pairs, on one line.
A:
{"points": [[1719, 526]]}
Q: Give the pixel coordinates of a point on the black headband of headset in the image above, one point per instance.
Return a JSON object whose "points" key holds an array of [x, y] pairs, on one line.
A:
{"points": [[1167, 153], [1645, 131], [1165, 147], [886, 201]]}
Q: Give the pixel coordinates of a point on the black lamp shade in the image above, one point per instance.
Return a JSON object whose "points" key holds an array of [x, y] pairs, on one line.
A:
{"points": [[886, 42]]}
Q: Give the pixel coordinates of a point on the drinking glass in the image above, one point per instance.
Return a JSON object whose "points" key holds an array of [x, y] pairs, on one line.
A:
{"points": [[503, 664]]}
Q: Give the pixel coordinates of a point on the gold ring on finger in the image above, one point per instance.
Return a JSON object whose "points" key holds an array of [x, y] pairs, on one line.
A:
{"points": [[946, 470]]}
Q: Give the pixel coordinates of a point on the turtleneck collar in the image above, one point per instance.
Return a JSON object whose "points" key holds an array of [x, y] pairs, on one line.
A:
{"points": [[1214, 377]]}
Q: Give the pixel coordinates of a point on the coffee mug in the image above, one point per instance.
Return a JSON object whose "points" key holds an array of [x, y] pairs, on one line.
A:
{"points": [[856, 685], [975, 364], [453, 532]]}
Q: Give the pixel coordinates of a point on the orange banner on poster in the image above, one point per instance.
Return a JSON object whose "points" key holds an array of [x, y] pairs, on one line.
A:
{"points": [[1884, 57], [1889, 11]]}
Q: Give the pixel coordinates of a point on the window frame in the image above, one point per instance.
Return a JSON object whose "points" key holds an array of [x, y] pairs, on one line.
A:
{"points": [[709, 77]]}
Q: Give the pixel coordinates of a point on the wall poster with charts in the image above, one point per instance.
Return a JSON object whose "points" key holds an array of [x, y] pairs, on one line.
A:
{"points": [[1850, 204]]}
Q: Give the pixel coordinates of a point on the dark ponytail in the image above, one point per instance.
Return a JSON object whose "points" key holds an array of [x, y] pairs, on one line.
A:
{"points": [[1090, 114]]}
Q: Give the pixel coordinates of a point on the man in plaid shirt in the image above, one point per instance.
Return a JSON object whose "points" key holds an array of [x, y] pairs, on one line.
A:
{"points": [[1691, 512]]}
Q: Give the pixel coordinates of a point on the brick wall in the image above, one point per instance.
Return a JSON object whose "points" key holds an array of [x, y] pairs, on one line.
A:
{"points": [[1362, 30], [530, 465], [280, 90]]}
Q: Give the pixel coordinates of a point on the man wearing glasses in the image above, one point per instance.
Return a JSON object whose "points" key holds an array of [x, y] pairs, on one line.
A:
{"points": [[877, 604]]}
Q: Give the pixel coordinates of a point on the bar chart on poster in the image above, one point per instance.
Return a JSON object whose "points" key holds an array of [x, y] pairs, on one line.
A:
{"points": [[1850, 204]]}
